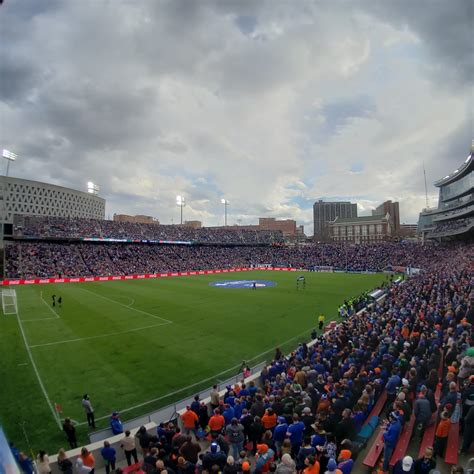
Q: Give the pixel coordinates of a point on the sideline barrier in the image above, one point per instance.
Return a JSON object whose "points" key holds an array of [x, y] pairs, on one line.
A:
{"points": [[141, 276], [115, 441], [40, 281]]}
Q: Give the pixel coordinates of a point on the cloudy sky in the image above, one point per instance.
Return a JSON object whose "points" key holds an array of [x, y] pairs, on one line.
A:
{"points": [[271, 104]]}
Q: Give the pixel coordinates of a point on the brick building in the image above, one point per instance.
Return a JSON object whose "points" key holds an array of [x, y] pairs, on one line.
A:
{"points": [[393, 209], [359, 230], [138, 219]]}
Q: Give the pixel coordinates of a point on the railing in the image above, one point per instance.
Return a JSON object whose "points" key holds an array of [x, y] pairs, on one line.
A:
{"points": [[170, 412]]}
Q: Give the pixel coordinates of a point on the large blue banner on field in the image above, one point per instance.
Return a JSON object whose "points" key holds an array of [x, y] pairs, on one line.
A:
{"points": [[243, 283]]}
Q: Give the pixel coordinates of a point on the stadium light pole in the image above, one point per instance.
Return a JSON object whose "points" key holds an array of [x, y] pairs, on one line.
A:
{"points": [[226, 203], [93, 188], [9, 156], [180, 201]]}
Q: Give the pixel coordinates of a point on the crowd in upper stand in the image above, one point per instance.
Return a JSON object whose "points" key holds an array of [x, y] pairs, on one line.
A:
{"points": [[453, 225], [76, 228], [46, 259]]}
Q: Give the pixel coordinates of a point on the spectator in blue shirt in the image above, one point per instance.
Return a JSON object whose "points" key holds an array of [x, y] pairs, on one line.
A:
{"points": [[390, 438], [109, 455], [295, 432]]}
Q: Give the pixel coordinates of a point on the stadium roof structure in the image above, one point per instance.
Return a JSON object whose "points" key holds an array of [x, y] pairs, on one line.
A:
{"points": [[463, 170], [361, 219]]}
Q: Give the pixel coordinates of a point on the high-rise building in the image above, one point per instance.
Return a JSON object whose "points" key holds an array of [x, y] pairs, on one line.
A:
{"points": [[393, 209], [324, 212]]}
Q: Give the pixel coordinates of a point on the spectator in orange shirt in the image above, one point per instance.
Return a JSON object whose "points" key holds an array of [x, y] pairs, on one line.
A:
{"points": [[87, 459], [441, 435], [216, 422], [312, 465], [269, 420], [190, 420]]}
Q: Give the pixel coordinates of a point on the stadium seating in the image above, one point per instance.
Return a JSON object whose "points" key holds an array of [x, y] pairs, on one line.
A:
{"points": [[452, 447], [25, 259]]}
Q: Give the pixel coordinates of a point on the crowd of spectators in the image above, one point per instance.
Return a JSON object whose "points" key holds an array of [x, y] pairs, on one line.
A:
{"points": [[453, 226], [76, 228], [46, 259]]}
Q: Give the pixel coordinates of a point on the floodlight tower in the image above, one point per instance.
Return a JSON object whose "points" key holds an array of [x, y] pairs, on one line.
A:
{"points": [[9, 156], [225, 203], [93, 188], [180, 201]]}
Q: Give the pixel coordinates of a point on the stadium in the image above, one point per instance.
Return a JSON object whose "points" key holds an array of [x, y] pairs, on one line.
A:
{"points": [[236, 237], [87, 298], [453, 217]]}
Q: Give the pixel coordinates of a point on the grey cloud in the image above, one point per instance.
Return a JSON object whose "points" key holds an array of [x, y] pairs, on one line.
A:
{"points": [[445, 28], [17, 78]]}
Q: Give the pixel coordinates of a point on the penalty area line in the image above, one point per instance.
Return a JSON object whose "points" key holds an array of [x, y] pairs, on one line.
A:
{"points": [[98, 336], [38, 376], [127, 306], [49, 307]]}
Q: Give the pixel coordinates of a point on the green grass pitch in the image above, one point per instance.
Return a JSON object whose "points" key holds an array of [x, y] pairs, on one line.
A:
{"points": [[128, 342]]}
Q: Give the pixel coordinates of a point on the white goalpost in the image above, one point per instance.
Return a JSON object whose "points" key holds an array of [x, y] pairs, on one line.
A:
{"points": [[9, 302]]}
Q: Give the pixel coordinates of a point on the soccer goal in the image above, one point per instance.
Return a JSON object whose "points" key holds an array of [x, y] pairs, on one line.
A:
{"points": [[9, 303]]}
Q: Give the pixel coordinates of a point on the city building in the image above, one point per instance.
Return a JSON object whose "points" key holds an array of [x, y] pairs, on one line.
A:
{"points": [[138, 219], [193, 224], [23, 197], [326, 211], [286, 226], [360, 230], [454, 216], [407, 230], [393, 209]]}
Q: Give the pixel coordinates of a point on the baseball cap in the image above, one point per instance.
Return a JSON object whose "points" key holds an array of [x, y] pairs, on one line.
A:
{"points": [[345, 454], [407, 463], [332, 465], [214, 447], [262, 448]]}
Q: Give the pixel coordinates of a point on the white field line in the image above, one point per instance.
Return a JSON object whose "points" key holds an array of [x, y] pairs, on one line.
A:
{"points": [[66, 341], [42, 319], [37, 319], [49, 307], [40, 381], [132, 303], [127, 306], [208, 379]]}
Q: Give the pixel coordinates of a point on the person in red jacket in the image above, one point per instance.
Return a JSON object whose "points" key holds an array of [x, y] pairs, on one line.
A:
{"points": [[190, 420]]}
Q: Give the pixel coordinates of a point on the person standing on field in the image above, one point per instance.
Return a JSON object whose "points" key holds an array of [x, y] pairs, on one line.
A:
{"points": [[86, 404]]}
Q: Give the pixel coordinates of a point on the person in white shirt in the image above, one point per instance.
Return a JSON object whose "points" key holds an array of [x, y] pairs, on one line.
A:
{"points": [[128, 445], [42, 463], [86, 404]]}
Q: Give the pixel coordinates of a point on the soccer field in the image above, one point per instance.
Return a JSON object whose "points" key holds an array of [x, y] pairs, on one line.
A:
{"points": [[128, 343]]}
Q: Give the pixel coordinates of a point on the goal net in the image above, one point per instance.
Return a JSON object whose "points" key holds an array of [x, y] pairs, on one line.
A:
{"points": [[9, 303]]}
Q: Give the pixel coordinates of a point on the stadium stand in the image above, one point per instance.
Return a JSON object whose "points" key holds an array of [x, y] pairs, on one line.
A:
{"points": [[40, 227], [324, 390], [26, 259]]}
